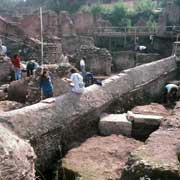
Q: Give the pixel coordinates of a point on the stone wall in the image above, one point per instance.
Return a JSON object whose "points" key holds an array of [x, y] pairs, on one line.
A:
{"points": [[83, 22], [98, 60], [128, 59], [72, 43], [72, 117], [123, 60]]}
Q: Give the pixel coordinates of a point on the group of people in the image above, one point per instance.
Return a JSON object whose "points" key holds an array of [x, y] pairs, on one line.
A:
{"points": [[17, 67], [78, 80]]}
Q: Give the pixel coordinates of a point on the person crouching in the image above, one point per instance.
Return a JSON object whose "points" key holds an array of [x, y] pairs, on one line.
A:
{"points": [[170, 94]]}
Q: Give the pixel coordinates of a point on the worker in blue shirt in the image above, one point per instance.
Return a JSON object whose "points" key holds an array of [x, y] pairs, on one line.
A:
{"points": [[46, 84]]}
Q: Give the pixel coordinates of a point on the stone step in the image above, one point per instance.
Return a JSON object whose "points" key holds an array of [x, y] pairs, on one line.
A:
{"points": [[115, 124], [145, 119]]}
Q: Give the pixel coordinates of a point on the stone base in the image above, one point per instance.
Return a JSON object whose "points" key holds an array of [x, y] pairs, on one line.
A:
{"points": [[115, 124]]}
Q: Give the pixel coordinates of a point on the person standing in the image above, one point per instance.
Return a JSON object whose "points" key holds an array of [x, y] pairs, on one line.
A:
{"points": [[46, 84], [16, 61], [64, 58], [82, 65]]}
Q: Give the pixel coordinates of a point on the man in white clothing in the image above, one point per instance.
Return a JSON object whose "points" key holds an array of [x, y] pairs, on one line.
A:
{"points": [[64, 58], [82, 64]]}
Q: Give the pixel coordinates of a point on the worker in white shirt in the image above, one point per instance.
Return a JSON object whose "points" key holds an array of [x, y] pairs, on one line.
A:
{"points": [[82, 65], [170, 94]]}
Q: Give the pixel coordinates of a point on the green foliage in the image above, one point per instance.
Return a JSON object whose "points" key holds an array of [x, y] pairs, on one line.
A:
{"points": [[67, 5], [97, 9], [151, 23], [177, 2], [85, 8], [8, 4], [118, 16], [145, 6]]}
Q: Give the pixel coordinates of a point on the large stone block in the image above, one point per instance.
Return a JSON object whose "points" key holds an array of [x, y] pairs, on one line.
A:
{"points": [[99, 158], [145, 119], [115, 124], [157, 159]]}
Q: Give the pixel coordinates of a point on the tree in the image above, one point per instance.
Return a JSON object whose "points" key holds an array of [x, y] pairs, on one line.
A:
{"points": [[58, 5], [177, 2], [145, 6], [118, 16], [8, 4]]}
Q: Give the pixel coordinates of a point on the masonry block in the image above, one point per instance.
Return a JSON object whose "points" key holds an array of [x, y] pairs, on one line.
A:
{"points": [[115, 124]]}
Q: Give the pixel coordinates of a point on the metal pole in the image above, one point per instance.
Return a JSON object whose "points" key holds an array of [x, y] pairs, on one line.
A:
{"points": [[42, 43]]}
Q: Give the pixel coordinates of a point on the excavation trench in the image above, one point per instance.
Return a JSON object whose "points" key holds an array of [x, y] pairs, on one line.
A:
{"points": [[72, 118], [123, 104]]}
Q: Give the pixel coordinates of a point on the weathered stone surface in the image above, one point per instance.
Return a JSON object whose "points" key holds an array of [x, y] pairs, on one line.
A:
{"points": [[145, 119], [173, 121], [115, 124], [98, 60], [67, 26], [5, 67], [72, 43], [143, 58], [83, 22], [143, 125], [151, 71], [99, 158], [157, 159], [152, 109], [123, 60], [10, 105], [17, 157]]}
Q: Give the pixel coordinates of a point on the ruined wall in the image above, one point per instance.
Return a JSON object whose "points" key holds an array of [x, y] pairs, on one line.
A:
{"points": [[123, 60], [83, 22], [73, 117], [169, 17], [128, 59], [98, 60]]}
